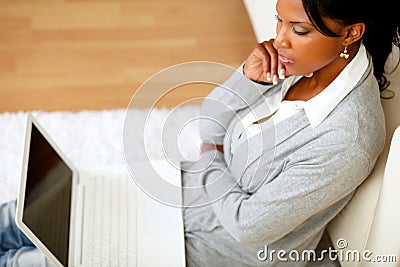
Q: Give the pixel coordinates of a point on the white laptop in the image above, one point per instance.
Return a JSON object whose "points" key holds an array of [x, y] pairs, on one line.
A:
{"points": [[96, 217]]}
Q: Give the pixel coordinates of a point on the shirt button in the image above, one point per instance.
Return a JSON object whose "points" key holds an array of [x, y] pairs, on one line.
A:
{"points": [[298, 105]]}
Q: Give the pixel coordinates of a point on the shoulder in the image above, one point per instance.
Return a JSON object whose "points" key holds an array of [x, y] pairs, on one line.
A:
{"points": [[357, 123]]}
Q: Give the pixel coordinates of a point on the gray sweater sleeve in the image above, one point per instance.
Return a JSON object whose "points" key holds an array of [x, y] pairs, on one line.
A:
{"points": [[221, 105], [314, 179]]}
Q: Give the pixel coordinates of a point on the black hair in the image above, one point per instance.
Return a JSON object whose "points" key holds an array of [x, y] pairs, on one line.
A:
{"points": [[381, 26]]}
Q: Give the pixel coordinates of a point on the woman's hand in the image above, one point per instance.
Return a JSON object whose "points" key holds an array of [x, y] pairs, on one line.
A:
{"points": [[263, 65], [207, 146]]}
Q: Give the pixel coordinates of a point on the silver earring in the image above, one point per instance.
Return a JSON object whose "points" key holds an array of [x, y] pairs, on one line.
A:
{"points": [[345, 54]]}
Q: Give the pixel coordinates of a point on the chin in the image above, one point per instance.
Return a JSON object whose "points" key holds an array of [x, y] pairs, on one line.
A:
{"points": [[290, 70]]}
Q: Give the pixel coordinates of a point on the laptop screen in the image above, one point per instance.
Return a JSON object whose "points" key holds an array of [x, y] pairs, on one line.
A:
{"points": [[48, 196]]}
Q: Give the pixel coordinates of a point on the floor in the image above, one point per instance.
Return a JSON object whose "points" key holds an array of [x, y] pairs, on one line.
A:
{"points": [[93, 54]]}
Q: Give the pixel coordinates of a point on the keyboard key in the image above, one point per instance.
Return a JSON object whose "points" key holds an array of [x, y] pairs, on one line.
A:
{"points": [[110, 222]]}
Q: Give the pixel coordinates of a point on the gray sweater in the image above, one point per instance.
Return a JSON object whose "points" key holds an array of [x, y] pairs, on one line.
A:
{"points": [[280, 189]]}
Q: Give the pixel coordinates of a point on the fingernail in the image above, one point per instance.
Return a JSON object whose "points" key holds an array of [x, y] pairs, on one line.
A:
{"points": [[281, 74], [268, 76], [275, 79]]}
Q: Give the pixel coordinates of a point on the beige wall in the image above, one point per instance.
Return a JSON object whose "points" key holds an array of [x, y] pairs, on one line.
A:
{"points": [[262, 14]]}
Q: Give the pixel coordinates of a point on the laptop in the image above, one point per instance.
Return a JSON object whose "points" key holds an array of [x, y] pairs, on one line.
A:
{"points": [[96, 217]]}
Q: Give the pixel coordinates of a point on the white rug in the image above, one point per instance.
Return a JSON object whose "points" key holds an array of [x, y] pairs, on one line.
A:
{"points": [[88, 138]]}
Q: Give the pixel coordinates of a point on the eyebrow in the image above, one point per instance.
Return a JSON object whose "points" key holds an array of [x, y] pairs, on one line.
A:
{"points": [[300, 22], [296, 22]]}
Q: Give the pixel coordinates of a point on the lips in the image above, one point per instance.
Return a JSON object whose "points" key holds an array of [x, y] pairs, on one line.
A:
{"points": [[284, 60]]}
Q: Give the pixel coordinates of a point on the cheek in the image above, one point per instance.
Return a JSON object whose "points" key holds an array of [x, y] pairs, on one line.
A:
{"points": [[312, 56]]}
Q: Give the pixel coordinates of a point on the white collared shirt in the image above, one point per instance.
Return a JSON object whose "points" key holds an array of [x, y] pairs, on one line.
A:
{"points": [[316, 109]]}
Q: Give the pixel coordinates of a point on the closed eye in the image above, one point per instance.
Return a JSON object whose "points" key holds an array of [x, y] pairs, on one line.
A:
{"points": [[300, 30]]}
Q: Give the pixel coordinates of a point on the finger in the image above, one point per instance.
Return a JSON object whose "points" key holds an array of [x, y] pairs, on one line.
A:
{"points": [[263, 75], [281, 70], [282, 73], [264, 56], [273, 58], [263, 60]]}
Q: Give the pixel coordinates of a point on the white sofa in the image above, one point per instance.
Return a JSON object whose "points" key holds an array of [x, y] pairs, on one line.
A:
{"points": [[371, 221]]}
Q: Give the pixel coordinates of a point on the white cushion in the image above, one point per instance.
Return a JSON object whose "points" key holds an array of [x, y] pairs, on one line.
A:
{"points": [[371, 221]]}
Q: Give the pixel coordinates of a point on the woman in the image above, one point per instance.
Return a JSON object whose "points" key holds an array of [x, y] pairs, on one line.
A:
{"points": [[281, 158]]}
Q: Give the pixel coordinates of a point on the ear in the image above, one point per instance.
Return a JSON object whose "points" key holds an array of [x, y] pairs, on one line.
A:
{"points": [[353, 33]]}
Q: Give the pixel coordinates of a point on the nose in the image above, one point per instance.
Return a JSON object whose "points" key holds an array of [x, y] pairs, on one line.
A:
{"points": [[282, 39]]}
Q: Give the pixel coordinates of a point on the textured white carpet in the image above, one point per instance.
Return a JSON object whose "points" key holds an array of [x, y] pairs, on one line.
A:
{"points": [[88, 139]]}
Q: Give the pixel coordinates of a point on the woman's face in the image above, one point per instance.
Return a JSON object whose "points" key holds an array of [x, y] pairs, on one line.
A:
{"points": [[301, 47]]}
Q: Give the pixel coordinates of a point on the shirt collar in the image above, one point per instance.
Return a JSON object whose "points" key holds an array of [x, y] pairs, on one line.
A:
{"points": [[320, 106]]}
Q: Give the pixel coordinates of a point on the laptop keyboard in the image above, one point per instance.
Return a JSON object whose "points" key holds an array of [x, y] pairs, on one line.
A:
{"points": [[110, 222]]}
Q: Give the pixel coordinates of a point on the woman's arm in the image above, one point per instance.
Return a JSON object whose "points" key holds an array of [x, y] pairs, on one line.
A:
{"points": [[247, 85], [313, 180]]}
